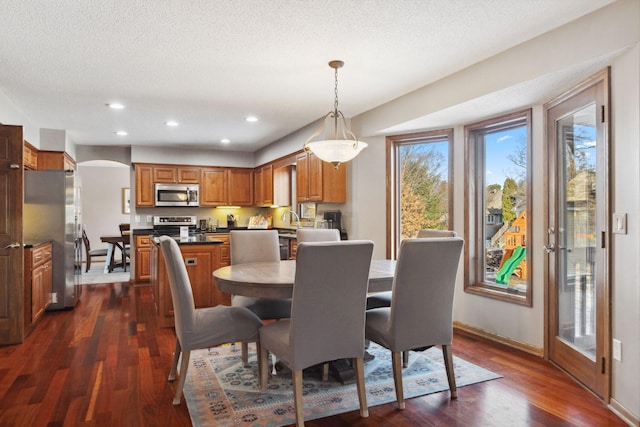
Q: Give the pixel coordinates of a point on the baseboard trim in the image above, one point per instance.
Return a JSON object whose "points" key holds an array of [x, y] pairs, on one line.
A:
{"points": [[528, 348], [622, 412]]}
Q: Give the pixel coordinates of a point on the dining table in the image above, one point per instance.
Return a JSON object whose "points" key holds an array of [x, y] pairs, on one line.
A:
{"points": [[276, 280], [113, 242]]}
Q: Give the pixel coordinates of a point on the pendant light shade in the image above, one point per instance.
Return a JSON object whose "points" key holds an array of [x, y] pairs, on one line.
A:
{"points": [[345, 145]]}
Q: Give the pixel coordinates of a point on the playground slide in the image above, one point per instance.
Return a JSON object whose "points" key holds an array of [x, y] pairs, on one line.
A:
{"points": [[510, 265]]}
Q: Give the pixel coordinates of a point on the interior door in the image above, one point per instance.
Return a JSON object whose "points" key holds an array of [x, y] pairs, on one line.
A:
{"points": [[11, 249], [578, 234]]}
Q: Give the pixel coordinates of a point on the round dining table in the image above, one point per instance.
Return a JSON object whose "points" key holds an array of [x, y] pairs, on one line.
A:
{"points": [[276, 279]]}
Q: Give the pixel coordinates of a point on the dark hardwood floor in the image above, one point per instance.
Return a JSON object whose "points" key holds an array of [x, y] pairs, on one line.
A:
{"points": [[106, 364]]}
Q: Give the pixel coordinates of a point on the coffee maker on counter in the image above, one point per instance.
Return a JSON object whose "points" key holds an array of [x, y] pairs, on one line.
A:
{"points": [[334, 219]]}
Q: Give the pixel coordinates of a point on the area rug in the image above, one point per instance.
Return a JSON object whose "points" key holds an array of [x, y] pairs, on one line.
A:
{"points": [[221, 392], [96, 275]]}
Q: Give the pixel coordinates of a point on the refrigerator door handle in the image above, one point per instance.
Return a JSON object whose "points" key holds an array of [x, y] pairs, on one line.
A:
{"points": [[13, 245]]}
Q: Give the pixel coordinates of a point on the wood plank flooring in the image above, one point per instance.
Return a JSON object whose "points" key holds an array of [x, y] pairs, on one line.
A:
{"points": [[105, 363]]}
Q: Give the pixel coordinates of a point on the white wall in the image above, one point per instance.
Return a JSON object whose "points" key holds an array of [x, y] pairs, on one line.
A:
{"points": [[102, 199], [11, 115]]}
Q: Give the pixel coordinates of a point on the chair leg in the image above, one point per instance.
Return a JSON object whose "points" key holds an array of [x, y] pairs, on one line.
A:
{"points": [[397, 377], [297, 398], [325, 372], [405, 358], [244, 348], [174, 362], [263, 367], [448, 364], [358, 365], [183, 374]]}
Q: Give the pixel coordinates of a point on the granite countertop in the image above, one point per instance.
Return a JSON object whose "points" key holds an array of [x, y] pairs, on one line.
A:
{"points": [[194, 239], [34, 244]]}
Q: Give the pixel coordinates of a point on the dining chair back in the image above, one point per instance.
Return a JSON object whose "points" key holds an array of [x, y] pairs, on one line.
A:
{"points": [[200, 327], [91, 253], [125, 230], [421, 311], [383, 299], [429, 233], [257, 246], [317, 235], [327, 314]]}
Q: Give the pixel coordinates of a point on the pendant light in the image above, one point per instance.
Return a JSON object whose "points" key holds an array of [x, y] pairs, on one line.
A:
{"points": [[345, 145]]}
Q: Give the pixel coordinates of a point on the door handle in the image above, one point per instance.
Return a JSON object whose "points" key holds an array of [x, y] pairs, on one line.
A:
{"points": [[12, 245], [550, 248]]}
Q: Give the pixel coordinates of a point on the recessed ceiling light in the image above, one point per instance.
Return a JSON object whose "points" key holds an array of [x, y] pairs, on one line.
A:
{"points": [[225, 140], [115, 106], [171, 123], [252, 119], [122, 133]]}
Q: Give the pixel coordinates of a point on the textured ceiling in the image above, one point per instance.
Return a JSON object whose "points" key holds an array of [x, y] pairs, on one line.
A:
{"points": [[208, 64]]}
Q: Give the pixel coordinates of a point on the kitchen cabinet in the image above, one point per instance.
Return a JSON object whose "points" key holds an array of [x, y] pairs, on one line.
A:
{"points": [[142, 248], [55, 160], [318, 181], [264, 186], [144, 186], [30, 156], [176, 175], [226, 187], [201, 260], [38, 283], [282, 186], [219, 297]]}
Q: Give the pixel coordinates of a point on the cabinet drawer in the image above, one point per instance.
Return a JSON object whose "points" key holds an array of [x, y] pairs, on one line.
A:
{"points": [[41, 254], [143, 241]]}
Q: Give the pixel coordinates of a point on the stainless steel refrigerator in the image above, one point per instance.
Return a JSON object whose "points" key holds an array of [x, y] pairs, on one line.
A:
{"points": [[52, 212]]}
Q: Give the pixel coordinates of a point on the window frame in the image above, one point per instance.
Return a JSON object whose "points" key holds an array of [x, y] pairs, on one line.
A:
{"points": [[474, 216], [394, 142]]}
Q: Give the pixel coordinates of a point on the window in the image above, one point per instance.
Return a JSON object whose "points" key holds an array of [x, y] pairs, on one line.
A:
{"points": [[419, 185], [497, 185]]}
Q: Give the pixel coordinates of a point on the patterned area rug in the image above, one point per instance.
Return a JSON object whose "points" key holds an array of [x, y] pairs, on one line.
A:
{"points": [[220, 392], [96, 275]]}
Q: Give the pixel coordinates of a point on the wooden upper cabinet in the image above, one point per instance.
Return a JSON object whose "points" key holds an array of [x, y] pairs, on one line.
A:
{"points": [[30, 156], [241, 187], [176, 174], [282, 186], [263, 192], [214, 187], [319, 181], [55, 160], [144, 186]]}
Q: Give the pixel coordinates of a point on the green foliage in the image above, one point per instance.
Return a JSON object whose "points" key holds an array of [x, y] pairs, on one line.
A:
{"points": [[424, 189], [509, 194]]}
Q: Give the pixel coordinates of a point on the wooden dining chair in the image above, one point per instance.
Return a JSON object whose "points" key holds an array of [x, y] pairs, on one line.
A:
{"points": [[200, 327], [421, 311], [125, 231], [327, 315], [91, 253], [257, 246]]}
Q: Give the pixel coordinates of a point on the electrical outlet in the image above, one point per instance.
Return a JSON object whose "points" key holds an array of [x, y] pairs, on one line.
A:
{"points": [[620, 223], [137, 218], [54, 298], [617, 350], [149, 218]]}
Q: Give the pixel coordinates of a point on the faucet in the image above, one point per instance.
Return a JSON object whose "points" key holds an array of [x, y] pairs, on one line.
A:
{"points": [[284, 215]]}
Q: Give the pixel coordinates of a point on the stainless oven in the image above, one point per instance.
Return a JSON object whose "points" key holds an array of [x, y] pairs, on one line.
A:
{"points": [[177, 194]]}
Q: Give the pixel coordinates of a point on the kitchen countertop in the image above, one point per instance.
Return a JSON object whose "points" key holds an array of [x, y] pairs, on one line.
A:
{"points": [[34, 244], [194, 239]]}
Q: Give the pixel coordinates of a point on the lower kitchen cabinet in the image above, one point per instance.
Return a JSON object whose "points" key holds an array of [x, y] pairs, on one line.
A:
{"points": [[222, 298], [142, 246], [38, 283], [201, 260]]}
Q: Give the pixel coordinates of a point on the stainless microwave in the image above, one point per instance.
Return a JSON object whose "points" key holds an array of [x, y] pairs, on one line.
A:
{"points": [[177, 194]]}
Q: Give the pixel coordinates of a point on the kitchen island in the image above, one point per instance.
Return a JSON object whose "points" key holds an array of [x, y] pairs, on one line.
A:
{"points": [[202, 255]]}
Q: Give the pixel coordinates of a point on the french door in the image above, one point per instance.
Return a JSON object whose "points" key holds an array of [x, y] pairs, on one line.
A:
{"points": [[578, 241]]}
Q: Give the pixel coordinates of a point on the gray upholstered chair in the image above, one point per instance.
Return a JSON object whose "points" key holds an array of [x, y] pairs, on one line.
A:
{"points": [[383, 299], [257, 246], [421, 312], [200, 327], [327, 314], [317, 235]]}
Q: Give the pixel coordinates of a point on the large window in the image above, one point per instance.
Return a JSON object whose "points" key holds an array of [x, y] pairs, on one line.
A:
{"points": [[419, 183], [497, 185]]}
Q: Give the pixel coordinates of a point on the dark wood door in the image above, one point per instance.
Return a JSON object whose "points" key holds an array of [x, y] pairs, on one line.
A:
{"points": [[11, 249]]}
